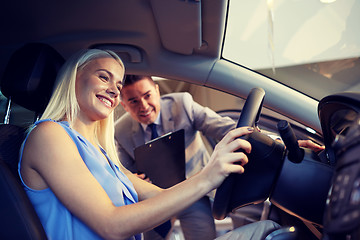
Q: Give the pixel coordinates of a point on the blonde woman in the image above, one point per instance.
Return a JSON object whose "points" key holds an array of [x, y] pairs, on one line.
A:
{"points": [[71, 173]]}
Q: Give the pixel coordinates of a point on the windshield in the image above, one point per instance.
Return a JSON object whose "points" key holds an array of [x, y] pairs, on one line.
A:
{"points": [[310, 45]]}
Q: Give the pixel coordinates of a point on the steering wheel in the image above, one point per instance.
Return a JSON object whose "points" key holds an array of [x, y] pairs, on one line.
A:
{"points": [[269, 172], [248, 117]]}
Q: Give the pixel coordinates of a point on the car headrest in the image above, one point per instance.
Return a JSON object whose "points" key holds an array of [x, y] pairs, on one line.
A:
{"points": [[30, 75]]}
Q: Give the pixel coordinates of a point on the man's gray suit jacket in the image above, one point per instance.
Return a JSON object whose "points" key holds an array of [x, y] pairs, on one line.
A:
{"points": [[178, 111]]}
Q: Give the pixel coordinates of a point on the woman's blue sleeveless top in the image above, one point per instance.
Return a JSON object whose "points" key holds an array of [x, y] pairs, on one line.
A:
{"points": [[57, 220]]}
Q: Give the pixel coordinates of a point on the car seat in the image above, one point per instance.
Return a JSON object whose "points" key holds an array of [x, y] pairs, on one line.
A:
{"points": [[27, 81]]}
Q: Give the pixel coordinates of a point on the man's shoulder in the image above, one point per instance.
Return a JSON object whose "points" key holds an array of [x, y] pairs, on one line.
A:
{"points": [[177, 97]]}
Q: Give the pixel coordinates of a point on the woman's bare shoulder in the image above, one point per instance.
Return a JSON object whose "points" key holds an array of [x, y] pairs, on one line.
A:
{"points": [[47, 129], [48, 136], [47, 125], [44, 152]]}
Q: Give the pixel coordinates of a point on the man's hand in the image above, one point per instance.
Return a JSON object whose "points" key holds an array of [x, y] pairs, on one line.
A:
{"points": [[143, 177], [311, 145]]}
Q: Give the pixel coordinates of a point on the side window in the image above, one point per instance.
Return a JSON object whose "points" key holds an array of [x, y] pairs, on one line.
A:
{"points": [[228, 105], [214, 99]]}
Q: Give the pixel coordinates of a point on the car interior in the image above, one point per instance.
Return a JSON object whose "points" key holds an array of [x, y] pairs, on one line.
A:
{"points": [[182, 44]]}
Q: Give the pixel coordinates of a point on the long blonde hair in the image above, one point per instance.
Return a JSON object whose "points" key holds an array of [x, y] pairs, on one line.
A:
{"points": [[63, 103]]}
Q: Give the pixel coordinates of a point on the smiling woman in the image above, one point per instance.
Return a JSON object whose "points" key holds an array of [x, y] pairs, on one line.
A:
{"points": [[78, 109], [71, 173], [101, 80]]}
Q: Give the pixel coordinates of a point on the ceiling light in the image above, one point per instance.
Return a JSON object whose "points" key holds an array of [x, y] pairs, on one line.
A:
{"points": [[327, 1]]}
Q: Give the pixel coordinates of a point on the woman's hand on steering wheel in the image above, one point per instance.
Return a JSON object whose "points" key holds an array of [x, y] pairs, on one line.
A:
{"points": [[226, 158]]}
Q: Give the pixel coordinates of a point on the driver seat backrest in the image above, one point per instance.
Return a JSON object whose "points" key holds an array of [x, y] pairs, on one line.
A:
{"points": [[28, 81]]}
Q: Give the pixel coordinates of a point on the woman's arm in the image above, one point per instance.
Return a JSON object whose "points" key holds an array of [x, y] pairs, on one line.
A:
{"points": [[51, 160]]}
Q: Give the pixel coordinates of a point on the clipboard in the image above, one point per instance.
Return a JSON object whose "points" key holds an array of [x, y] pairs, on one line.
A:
{"points": [[163, 159]]}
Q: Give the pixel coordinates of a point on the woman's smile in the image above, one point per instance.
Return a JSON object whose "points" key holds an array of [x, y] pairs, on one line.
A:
{"points": [[105, 100]]}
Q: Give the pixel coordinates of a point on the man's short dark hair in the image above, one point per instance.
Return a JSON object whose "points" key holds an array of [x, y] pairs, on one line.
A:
{"points": [[131, 79]]}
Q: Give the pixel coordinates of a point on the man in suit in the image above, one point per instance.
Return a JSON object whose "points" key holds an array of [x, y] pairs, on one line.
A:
{"points": [[140, 97]]}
